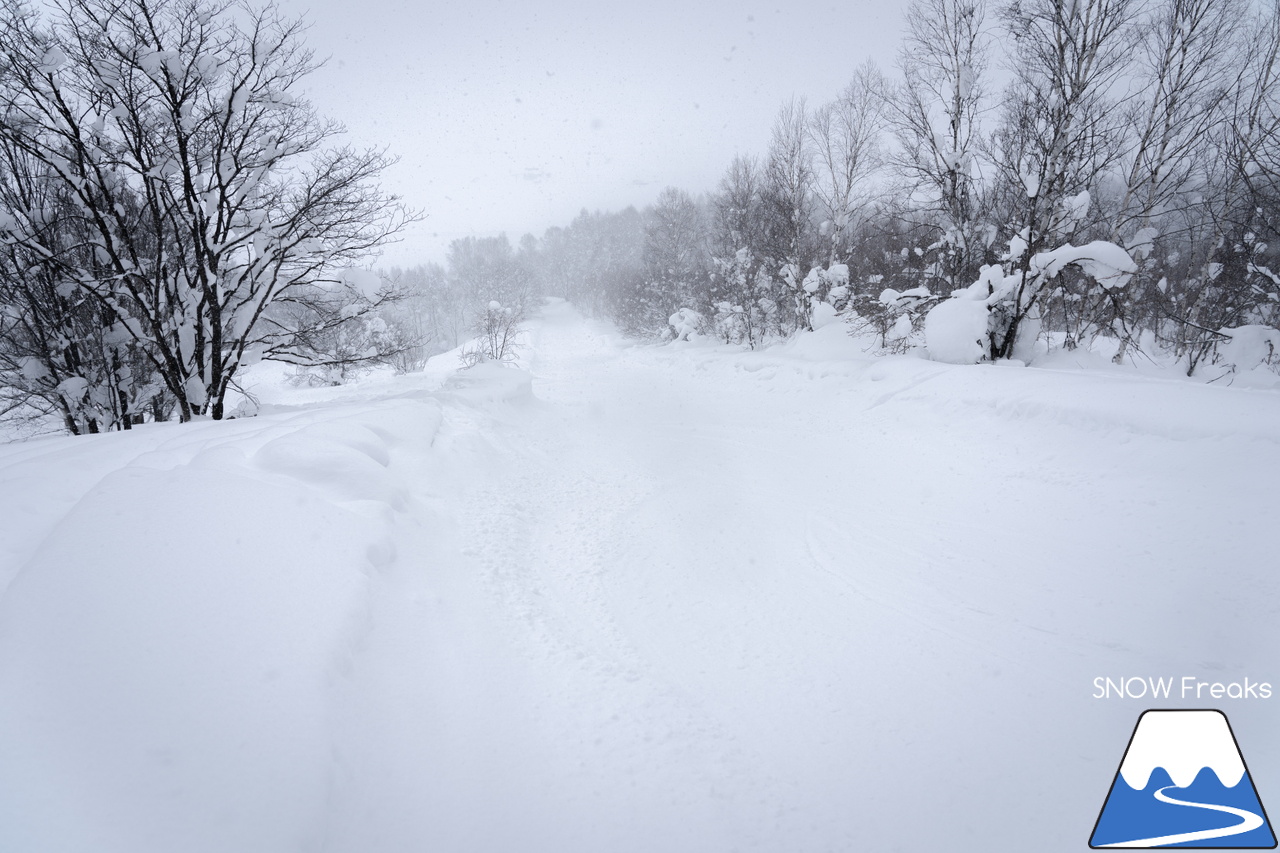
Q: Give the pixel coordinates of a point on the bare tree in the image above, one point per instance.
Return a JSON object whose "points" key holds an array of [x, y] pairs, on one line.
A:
{"points": [[206, 188], [789, 203], [1229, 277], [935, 114], [498, 333], [844, 136], [1184, 70]]}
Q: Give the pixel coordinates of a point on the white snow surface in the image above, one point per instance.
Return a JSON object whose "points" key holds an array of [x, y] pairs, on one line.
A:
{"points": [[1183, 743], [628, 598]]}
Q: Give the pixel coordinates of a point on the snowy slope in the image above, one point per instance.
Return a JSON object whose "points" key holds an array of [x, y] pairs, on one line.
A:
{"points": [[663, 598]]}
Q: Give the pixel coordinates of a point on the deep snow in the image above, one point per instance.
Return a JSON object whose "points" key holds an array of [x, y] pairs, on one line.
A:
{"points": [[635, 598]]}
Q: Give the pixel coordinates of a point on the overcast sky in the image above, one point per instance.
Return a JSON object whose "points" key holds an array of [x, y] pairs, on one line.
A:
{"points": [[513, 116]]}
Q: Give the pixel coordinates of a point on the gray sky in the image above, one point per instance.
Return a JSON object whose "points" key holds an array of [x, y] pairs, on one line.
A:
{"points": [[512, 116]]}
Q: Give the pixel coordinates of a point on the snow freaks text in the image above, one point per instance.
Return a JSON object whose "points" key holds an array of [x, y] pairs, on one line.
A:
{"points": [[1186, 687]]}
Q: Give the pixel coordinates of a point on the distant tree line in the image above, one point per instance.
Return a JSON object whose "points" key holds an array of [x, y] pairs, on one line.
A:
{"points": [[485, 289], [171, 210], [1123, 185]]}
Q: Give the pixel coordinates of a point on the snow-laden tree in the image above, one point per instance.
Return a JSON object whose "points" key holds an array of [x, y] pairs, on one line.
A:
{"points": [[60, 353], [675, 260], [935, 114], [743, 293], [1062, 131], [974, 324], [210, 208], [1182, 60]]}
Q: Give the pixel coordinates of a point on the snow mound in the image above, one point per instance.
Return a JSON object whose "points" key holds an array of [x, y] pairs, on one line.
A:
{"points": [[955, 331], [347, 458], [824, 314], [168, 652], [489, 382]]}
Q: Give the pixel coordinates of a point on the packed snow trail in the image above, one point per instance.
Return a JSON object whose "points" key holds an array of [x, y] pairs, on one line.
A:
{"points": [[692, 603], [677, 598]]}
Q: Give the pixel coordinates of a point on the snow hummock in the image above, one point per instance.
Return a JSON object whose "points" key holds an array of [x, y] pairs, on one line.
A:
{"points": [[823, 314], [1183, 743], [1249, 346], [955, 330]]}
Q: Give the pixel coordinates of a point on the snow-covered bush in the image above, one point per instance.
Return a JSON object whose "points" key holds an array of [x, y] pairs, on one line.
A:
{"points": [[895, 317], [686, 323], [957, 329], [737, 324], [1247, 347], [746, 309], [1010, 301], [498, 338]]}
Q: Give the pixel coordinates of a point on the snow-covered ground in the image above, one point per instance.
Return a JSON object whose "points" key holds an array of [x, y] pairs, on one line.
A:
{"points": [[677, 598]]}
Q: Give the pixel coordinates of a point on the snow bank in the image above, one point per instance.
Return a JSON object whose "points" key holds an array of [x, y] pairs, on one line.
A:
{"points": [[167, 652], [955, 331], [489, 382], [166, 681]]}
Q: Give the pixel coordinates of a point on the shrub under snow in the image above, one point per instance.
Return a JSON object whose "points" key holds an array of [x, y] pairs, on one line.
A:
{"points": [[955, 331]]}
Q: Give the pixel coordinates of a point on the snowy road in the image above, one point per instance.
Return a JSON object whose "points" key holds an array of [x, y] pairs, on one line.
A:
{"points": [[676, 599], [748, 606]]}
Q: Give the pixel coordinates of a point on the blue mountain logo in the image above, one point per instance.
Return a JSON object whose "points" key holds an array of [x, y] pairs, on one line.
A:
{"points": [[1183, 783]]}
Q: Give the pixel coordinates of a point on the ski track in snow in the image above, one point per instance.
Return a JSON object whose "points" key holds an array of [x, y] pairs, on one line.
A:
{"points": [[678, 598]]}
